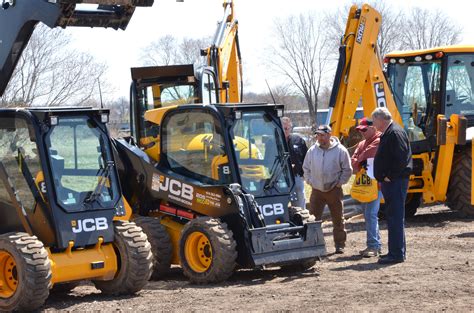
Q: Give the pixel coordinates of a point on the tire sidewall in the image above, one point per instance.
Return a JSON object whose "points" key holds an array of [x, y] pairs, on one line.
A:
{"points": [[8, 246], [182, 255], [216, 267]]}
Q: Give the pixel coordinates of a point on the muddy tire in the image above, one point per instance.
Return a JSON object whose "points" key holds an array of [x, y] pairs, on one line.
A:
{"points": [[207, 251], [135, 261], [161, 245], [25, 272], [459, 188], [300, 216]]}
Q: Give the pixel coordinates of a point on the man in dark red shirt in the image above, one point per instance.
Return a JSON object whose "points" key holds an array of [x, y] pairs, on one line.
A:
{"points": [[364, 154]]}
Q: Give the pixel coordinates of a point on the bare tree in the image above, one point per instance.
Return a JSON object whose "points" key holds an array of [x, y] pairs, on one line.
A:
{"points": [[300, 54], [167, 50], [161, 51], [281, 94], [52, 73], [424, 28]]}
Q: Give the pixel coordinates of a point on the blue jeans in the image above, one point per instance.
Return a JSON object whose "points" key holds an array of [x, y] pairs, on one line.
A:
{"points": [[371, 212], [299, 191], [395, 193]]}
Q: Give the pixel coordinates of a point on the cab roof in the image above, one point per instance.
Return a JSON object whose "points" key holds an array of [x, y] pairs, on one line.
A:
{"points": [[444, 49]]}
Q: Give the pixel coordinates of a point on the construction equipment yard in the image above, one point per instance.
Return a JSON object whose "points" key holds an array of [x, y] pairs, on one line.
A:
{"points": [[437, 276], [200, 206]]}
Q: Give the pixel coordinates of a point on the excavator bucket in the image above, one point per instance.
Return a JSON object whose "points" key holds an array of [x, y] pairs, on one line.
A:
{"points": [[19, 18]]}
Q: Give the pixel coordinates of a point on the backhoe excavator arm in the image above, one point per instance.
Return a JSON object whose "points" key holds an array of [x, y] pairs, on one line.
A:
{"points": [[19, 18], [359, 73], [224, 56]]}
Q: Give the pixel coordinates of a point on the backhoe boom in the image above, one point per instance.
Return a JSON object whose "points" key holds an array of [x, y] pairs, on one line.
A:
{"points": [[359, 73]]}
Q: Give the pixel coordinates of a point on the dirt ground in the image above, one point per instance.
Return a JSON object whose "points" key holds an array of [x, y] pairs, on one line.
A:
{"points": [[437, 276]]}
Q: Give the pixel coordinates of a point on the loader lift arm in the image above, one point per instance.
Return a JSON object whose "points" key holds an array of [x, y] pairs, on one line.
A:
{"points": [[19, 18], [224, 56]]}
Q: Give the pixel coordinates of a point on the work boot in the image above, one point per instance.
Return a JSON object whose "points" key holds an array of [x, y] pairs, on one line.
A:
{"points": [[370, 252], [362, 252]]}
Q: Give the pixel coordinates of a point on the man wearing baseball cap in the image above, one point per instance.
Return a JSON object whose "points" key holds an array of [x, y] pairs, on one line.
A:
{"points": [[327, 167], [365, 152]]}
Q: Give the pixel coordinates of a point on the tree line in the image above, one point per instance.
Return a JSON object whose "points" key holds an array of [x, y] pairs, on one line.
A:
{"points": [[303, 54]]}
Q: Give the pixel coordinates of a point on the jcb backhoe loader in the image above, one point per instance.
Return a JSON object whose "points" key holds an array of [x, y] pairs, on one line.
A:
{"points": [[62, 215], [430, 92], [217, 176]]}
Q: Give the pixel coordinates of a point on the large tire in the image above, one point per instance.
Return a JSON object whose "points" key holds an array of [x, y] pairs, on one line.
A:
{"points": [[25, 270], [300, 216], [135, 261], [412, 203], [161, 246], [459, 188], [207, 250]]}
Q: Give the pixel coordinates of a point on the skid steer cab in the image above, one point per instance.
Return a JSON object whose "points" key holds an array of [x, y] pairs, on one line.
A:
{"points": [[63, 218], [219, 181]]}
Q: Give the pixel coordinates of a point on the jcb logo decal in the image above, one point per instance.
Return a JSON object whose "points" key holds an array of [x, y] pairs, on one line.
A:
{"points": [[89, 224], [363, 180], [272, 209], [176, 188], [380, 95]]}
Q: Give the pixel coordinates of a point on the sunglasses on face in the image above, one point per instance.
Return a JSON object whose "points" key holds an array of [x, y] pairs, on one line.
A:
{"points": [[363, 130]]}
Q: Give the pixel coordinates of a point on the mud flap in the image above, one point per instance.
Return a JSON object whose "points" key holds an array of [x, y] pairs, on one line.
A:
{"points": [[283, 244]]}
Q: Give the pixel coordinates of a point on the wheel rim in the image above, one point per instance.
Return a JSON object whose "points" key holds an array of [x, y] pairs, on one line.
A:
{"points": [[198, 252], [9, 275]]}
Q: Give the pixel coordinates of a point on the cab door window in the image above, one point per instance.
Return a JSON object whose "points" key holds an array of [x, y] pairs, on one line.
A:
{"points": [[460, 85], [19, 156], [193, 146]]}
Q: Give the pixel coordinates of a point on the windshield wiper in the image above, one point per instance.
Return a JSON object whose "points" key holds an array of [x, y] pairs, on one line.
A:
{"points": [[277, 169], [104, 177]]}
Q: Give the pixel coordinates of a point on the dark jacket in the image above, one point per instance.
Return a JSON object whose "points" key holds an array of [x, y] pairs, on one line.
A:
{"points": [[298, 149], [393, 157]]}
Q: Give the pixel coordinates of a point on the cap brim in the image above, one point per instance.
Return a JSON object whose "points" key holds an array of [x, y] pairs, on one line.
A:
{"points": [[361, 127]]}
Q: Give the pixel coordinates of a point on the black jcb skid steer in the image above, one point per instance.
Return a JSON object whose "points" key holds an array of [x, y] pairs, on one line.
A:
{"points": [[62, 215], [218, 178]]}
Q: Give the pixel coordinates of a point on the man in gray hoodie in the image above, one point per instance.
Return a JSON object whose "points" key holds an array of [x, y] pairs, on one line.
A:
{"points": [[327, 166]]}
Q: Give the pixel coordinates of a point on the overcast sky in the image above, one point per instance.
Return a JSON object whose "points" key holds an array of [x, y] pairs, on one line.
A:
{"points": [[197, 18]]}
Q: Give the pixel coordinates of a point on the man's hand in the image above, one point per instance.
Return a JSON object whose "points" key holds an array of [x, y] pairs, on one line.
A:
{"points": [[386, 179]]}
